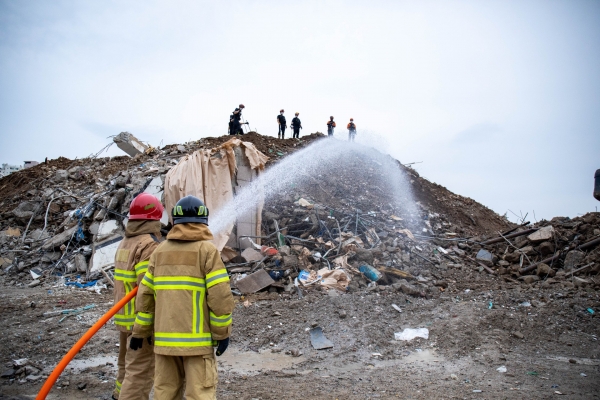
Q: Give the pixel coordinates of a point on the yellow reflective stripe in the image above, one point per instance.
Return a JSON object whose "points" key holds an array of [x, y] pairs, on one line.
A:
{"points": [[124, 320], [141, 267], [130, 306], [124, 275], [144, 318], [170, 339], [148, 280], [118, 386], [216, 277], [196, 311], [220, 320], [178, 283]]}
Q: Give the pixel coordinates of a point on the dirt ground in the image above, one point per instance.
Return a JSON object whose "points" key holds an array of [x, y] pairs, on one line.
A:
{"points": [[271, 357]]}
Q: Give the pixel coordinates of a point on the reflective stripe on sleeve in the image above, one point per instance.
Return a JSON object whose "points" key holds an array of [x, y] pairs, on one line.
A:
{"points": [[125, 320], [216, 277], [125, 275], [143, 318], [148, 280], [220, 320], [141, 267]]}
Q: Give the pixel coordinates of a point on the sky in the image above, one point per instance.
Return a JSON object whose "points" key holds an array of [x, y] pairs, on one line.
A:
{"points": [[497, 100]]}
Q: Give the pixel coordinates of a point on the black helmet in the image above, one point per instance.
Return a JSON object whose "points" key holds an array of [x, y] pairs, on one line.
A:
{"points": [[190, 209]]}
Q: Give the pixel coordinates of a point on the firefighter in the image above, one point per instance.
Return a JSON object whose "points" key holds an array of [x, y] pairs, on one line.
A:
{"points": [[296, 126], [282, 125], [186, 300], [330, 126], [351, 130], [142, 235], [235, 126]]}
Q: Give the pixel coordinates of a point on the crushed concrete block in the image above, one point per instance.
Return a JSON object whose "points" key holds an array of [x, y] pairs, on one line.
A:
{"points": [[542, 234], [251, 255], [60, 176], [25, 210], [129, 144], [103, 253], [573, 259], [485, 257], [80, 263], [106, 229], [59, 239], [545, 270], [254, 282]]}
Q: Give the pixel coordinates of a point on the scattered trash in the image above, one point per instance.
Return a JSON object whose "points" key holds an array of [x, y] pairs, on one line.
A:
{"points": [[318, 340], [525, 304], [410, 334], [370, 273], [532, 373], [591, 311], [397, 308], [490, 305], [501, 369]]}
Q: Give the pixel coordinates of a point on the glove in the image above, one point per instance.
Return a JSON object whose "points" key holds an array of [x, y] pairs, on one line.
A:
{"points": [[222, 346], [136, 343]]}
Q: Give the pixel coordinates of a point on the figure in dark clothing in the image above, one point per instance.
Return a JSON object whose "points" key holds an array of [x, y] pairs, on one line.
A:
{"points": [[235, 126], [351, 130], [330, 126], [282, 125], [296, 126]]}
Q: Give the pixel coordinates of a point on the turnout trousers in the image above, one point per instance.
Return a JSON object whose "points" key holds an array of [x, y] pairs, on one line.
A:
{"points": [[136, 370], [281, 133], [199, 373]]}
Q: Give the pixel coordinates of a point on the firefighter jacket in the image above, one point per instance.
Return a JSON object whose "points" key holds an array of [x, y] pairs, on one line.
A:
{"points": [[352, 127], [185, 297], [131, 263]]}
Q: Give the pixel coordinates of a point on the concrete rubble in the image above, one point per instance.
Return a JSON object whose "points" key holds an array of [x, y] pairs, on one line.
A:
{"points": [[329, 236]]}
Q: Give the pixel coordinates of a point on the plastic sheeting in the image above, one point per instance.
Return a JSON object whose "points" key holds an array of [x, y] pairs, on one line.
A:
{"points": [[209, 175]]}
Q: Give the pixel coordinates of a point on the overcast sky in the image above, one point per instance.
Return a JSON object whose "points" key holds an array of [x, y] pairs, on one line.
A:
{"points": [[500, 100]]}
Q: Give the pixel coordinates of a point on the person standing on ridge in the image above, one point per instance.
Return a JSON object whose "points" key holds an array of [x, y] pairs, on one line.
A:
{"points": [[351, 130], [282, 125], [135, 368], [330, 126], [296, 126], [235, 126], [186, 300]]}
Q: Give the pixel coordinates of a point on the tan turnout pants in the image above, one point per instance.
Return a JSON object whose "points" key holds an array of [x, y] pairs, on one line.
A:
{"points": [[199, 373], [136, 370]]}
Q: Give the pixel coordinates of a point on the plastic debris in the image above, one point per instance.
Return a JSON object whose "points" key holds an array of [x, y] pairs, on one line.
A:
{"points": [[410, 334], [501, 369]]}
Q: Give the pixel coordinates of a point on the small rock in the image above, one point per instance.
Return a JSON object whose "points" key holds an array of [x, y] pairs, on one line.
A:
{"points": [[342, 314], [7, 373], [81, 385], [573, 259], [34, 283], [529, 279], [453, 377], [572, 361], [544, 270], [518, 335], [314, 324], [546, 248], [486, 257], [542, 234], [33, 378]]}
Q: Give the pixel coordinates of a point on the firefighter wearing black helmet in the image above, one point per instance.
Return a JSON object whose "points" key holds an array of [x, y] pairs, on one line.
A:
{"points": [[186, 300]]}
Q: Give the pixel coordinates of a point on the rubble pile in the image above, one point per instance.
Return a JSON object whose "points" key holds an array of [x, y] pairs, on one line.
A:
{"points": [[344, 218]]}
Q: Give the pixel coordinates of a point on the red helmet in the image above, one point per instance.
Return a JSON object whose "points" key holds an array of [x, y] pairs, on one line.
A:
{"points": [[146, 206]]}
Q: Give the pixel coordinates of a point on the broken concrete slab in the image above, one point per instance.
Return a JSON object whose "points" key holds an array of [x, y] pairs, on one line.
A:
{"points": [[542, 234], [486, 257], [103, 253], [130, 144], [252, 255], [107, 229], [59, 239], [254, 282], [318, 340], [573, 259]]}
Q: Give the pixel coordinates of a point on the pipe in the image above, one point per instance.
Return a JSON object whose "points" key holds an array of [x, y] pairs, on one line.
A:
{"points": [[80, 343], [512, 235]]}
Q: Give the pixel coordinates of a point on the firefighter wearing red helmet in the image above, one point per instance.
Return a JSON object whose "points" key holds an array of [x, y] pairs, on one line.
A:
{"points": [[142, 235]]}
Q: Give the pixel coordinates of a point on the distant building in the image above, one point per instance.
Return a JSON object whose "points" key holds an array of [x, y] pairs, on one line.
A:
{"points": [[9, 169], [29, 164]]}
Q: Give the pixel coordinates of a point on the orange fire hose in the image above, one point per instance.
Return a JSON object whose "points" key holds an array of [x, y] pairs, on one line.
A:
{"points": [[80, 343]]}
